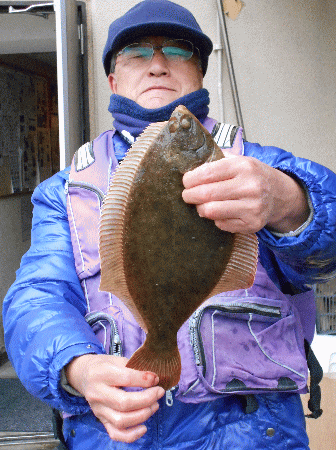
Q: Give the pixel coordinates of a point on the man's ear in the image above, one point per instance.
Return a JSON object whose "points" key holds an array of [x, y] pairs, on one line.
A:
{"points": [[112, 83]]}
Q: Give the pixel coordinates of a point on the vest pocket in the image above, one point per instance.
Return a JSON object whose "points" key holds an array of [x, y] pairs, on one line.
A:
{"points": [[245, 346], [116, 329]]}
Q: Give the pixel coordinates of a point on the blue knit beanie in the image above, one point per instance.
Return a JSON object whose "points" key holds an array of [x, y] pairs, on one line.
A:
{"points": [[156, 18]]}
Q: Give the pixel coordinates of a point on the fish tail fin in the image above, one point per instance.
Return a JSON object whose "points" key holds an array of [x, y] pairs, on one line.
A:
{"points": [[166, 364]]}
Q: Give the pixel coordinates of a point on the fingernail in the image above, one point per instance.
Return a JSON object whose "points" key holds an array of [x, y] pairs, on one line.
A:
{"points": [[152, 377]]}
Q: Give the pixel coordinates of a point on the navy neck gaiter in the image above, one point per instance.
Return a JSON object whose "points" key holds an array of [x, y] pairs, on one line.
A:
{"points": [[133, 118]]}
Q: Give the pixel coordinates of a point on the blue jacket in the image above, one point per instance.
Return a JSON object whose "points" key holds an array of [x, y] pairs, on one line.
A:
{"points": [[44, 325]]}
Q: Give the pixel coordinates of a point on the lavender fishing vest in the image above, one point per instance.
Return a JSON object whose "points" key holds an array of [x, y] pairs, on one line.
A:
{"points": [[245, 341]]}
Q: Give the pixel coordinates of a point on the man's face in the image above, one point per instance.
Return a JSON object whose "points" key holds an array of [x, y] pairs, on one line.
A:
{"points": [[157, 82]]}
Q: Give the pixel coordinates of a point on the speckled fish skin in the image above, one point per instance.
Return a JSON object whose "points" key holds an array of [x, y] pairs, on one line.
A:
{"points": [[172, 259]]}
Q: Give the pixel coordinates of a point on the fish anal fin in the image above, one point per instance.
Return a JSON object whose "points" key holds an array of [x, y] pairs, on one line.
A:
{"points": [[166, 364], [241, 268]]}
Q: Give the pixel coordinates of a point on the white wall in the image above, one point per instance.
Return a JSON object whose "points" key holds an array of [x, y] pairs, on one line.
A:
{"points": [[284, 57], [285, 60]]}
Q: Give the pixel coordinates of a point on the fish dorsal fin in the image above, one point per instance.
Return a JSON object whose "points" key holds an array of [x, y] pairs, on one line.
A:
{"points": [[111, 227], [241, 268]]}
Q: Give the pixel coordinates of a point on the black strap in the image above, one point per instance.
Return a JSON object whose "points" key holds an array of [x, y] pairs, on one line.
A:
{"points": [[57, 422], [250, 403], [316, 375]]}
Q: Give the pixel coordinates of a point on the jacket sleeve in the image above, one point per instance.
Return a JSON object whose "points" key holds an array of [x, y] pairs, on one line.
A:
{"points": [[44, 309], [310, 257]]}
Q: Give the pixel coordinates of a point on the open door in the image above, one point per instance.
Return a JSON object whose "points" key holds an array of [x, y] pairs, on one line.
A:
{"points": [[43, 120]]}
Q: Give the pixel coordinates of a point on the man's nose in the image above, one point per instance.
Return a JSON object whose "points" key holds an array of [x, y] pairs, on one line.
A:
{"points": [[159, 64]]}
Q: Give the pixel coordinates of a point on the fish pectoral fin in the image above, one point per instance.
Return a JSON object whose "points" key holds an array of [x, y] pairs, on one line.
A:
{"points": [[242, 266]]}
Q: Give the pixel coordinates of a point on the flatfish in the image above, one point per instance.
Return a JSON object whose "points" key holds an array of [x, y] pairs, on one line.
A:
{"points": [[157, 254]]}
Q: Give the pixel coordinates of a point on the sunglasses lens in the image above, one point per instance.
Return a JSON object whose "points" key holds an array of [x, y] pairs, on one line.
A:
{"points": [[174, 50], [178, 49], [137, 51]]}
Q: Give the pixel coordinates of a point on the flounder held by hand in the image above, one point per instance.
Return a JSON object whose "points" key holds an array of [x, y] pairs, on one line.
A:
{"points": [[157, 254]]}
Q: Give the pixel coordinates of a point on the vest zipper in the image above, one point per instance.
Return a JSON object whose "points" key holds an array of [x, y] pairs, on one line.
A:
{"points": [[82, 185], [194, 338], [233, 308]]}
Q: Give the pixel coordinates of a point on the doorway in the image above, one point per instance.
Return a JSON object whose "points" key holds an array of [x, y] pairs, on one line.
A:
{"points": [[43, 120]]}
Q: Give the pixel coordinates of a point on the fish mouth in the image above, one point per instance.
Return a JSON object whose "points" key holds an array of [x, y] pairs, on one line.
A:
{"points": [[189, 146], [199, 155], [203, 151], [191, 157]]}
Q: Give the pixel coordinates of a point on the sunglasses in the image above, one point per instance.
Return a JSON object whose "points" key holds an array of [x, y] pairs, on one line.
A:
{"points": [[173, 50]]}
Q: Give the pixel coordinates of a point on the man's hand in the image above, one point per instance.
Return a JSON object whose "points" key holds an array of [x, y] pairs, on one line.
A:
{"points": [[99, 379], [242, 194]]}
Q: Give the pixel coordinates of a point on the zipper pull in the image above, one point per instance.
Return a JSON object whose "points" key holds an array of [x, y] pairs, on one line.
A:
{"points": [[116, 346], [66, 188], [169, 397]]}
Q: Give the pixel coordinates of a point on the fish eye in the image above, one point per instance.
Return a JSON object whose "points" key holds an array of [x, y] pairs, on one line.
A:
{"points": [[185, 122], [173, 125]]}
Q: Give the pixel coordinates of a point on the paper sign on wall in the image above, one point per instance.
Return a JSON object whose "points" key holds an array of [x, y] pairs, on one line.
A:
{"points": [[232, 8]]}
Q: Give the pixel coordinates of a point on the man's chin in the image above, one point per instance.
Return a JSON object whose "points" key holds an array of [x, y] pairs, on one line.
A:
{"points": [[157, 101]]}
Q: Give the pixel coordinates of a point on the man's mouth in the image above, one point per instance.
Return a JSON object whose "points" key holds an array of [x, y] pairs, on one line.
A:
{"points": [[163, 88]]}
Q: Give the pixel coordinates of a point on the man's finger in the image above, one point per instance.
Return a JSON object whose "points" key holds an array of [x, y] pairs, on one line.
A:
{"points": [[114, 372], [122, 420], [219, 210], [134, 378], [121, 400], [212, 192], [128, 435], [211, 172]]}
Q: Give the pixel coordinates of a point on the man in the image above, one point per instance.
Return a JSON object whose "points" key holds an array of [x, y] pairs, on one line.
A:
{"points": [[155, 58]]}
